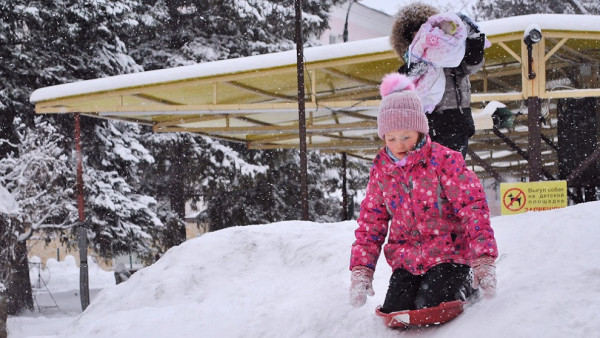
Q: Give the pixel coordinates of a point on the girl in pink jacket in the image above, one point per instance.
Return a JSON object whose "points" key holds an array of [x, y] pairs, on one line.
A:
{"points": [[429, 205]]}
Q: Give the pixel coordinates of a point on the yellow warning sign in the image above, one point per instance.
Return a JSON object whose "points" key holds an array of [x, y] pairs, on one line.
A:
{"points": [[532, 196]]}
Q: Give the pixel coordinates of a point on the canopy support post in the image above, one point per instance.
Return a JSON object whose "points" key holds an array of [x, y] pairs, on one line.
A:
{"points": [[345, 215], [84, 287], [301, 112]]}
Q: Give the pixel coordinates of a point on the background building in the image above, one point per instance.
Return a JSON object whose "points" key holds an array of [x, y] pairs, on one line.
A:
{"points": [[363, 23]]}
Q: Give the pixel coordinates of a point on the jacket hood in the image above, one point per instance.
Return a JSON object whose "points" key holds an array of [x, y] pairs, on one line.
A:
{"points": [[407, 21]]}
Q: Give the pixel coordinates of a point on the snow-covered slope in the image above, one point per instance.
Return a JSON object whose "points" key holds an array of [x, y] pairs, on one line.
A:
{"points": [[291, 279]]}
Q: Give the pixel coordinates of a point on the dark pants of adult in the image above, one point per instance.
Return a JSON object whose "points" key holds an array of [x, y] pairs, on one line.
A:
{"points": [[441, 283], [452, 128]]}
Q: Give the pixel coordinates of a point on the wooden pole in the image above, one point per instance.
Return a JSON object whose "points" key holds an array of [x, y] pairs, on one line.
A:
{"points": [[301, 111]]}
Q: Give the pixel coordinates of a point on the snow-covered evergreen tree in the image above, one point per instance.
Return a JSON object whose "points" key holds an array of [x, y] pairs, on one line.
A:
{"points": [[331, 180], [274, 195], [174, 33], [44, 43], [494, 9], [118, 217], [192, 168], [178, 166], [267, 196], [40, 178], [180, 32]]}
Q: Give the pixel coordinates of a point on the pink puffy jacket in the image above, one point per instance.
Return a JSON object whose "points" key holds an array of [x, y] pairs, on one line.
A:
{"points": [[438, 212]]}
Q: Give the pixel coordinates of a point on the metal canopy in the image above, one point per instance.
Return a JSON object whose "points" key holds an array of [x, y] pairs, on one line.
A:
{"points": [[250, 100], [253, 99]]}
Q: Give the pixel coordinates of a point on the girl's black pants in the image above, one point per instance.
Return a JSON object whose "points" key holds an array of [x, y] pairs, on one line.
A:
{"points": [[442, 283]]}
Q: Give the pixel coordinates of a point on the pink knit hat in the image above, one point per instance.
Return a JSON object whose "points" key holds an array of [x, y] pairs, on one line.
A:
{"points": [[400, 107]]}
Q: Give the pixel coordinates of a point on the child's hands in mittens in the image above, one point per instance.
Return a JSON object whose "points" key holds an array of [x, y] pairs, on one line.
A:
{"points": [[361, 285], [484, 273]]}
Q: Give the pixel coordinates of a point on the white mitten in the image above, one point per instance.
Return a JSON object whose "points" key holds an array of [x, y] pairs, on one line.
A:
{"points": [[484, 273], [361, 285]]}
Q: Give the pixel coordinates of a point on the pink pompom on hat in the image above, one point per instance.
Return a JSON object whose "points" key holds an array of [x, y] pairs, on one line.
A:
{"points": [[400, 106]]}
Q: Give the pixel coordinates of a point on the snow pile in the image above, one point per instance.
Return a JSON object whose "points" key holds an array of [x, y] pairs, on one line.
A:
{"points": [[64, 275], [291, 279], [8, 204]]}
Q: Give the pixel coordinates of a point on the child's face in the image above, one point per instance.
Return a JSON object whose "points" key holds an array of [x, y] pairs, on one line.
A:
{"points": [[400, 142]]}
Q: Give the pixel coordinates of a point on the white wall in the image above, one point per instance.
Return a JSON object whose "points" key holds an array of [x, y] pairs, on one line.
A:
{"points": [[363, 23]]}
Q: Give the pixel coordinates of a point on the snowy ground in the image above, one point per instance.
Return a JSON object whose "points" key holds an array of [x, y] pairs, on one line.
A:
{"points": [[290, 279], [56, 297]]}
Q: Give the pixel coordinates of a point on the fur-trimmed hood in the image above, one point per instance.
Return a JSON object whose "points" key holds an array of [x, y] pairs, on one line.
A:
{"points": [[407, 21]]}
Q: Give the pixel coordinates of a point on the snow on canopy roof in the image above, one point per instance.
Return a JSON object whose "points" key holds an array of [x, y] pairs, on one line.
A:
{"points": [[561, 22], [207, 69], [555, 22]]}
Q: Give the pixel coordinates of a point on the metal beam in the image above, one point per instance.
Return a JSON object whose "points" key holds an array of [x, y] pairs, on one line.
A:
{"points": [[510, 51], [534, 144], [270, 129], [502, 97], [249, 108], [258, 91], [335, 145], [188, 120], [485, 165], [350, 77], [574, 93], [554, 49], [584, 165]]}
